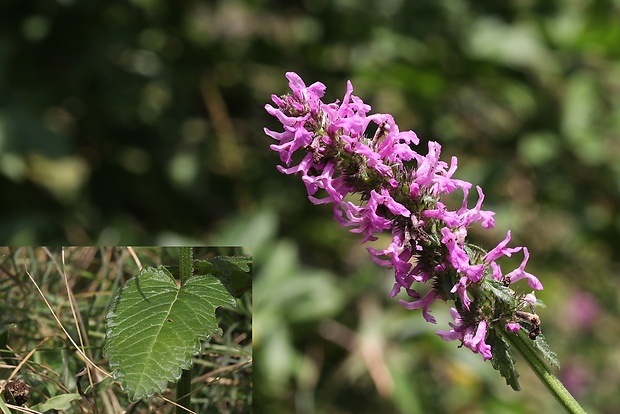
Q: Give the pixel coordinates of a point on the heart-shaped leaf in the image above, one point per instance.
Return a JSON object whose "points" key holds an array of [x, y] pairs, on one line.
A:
{"points": [[155, 326]]}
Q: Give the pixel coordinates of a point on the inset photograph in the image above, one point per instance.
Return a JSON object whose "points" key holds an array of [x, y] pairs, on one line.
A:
{"points": [[125, 329]]}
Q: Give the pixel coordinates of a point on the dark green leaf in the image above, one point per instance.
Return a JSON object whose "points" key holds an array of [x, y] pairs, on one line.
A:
{"points": [[155, 326], [234, 272], [502, 359], [501, 292]]}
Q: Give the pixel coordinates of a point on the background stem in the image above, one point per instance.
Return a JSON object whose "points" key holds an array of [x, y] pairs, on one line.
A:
{"points": [[184, 389]]}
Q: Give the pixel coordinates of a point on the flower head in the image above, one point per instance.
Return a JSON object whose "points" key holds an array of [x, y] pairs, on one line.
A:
{"points": [[400, 190]]}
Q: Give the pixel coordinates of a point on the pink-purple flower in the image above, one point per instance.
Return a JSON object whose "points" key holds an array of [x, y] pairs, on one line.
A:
{"points": [[340, 150]]}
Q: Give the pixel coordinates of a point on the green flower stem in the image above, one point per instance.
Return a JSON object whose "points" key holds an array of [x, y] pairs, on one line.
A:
{"points": [[184, 386], [524, 346]]}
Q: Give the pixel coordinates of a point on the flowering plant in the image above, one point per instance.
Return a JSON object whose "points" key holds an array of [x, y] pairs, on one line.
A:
{"points": [[378, 183]]}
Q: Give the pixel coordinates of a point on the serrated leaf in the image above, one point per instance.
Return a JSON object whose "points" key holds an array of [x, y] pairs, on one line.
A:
{"points": [[236, 271], [541, 345], [502, 359], [154, 327], [502, 292]]}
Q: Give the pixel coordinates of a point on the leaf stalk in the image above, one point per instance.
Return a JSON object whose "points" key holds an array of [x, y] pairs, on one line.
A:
{"points": [[185, 263]]}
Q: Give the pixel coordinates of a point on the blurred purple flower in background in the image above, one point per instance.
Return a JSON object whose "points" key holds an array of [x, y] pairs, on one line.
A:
{"points": [[581, 309]]}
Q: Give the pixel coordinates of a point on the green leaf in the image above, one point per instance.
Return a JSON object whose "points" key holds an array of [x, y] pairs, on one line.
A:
{"points": [[3, 406], [500, 291], [59, 402], [541, 344], [236, 271], [154, 327], [502, 359]]}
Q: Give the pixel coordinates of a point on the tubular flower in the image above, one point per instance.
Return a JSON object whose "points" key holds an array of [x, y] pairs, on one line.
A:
{"points": [[400, 191]]}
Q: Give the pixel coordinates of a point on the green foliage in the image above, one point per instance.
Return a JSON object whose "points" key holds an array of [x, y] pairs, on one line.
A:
{"points": [[543, 347], [503, 360], [154, 327], [3, 407], [59, 402], [501, 291], [234, 272]]}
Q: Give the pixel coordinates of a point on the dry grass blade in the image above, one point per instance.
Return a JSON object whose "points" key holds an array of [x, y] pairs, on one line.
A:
{"points": [[77, 348], [23, 361]]}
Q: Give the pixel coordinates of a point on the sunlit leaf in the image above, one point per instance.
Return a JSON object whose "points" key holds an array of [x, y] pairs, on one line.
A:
{"points": [[154, 327]]}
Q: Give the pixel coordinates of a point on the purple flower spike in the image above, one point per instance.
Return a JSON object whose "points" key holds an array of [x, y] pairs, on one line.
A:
{"points": [[400, 190]]}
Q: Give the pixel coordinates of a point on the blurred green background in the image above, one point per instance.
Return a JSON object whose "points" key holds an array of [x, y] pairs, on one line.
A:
{"points": [[140, 122]]}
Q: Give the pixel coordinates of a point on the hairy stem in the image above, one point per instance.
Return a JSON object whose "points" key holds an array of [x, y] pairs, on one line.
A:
{"points": [[186, 265], [524, 346], [184, 386]]}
